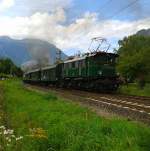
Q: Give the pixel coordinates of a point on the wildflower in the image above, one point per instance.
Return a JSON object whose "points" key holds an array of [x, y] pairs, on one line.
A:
{"points": [[7, 138], [10, 131], [13, 136], [38, 133], [2, 127], [19, 138], [5, 132]]}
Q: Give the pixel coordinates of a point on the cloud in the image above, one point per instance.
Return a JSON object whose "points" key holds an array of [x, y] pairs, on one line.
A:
{"points": [[47, 4], [76, 35], [6, 4], [33, 6]]}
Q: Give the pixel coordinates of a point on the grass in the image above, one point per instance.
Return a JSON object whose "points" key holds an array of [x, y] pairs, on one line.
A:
{"points": [[133, 89], [44, 122]]}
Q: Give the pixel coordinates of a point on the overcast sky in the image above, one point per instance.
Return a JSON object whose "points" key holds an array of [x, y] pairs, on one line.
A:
{"points": [[70, 24]]}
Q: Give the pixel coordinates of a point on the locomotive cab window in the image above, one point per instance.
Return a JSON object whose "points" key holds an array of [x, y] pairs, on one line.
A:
{"points": [[104, 60], [110, 60]]}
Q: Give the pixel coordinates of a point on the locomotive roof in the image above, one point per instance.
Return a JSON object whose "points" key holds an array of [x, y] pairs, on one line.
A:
{"points": [[90, 55], [106, 53], [49, 67], [31, 71], [44, 68], [75, 59]]}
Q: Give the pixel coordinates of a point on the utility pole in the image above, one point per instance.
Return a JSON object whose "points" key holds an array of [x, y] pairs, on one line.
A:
{"points": [[58, 56]]}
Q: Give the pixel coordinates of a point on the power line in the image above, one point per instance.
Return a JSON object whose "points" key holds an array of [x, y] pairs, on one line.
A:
{"points": [[124, 8], [103, 6], [107, 2]]}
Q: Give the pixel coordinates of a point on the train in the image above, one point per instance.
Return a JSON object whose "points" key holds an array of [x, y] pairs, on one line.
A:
{"points": [[92, 71]]}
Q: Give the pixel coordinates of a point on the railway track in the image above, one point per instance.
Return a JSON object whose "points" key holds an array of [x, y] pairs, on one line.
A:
{"points": [[138, 107], [134, 107], [139, 103]]}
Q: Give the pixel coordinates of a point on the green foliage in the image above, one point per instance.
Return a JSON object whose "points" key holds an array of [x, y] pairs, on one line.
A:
{"points": [[48, 123], [133, 89], [134, 61], [7, 67]]}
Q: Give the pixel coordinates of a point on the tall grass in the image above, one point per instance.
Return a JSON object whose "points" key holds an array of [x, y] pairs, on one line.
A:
{"points": [[133, 89], [48, 123]]}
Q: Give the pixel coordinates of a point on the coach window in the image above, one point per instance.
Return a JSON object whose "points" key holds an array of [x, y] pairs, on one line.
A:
{"points": [[69, 65], [77, 64], [65, 66], [73, 64], [80, 63], [83, 63]]}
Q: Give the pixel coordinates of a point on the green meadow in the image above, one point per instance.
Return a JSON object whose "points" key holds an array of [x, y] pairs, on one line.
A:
{"points": [[34, 121]]}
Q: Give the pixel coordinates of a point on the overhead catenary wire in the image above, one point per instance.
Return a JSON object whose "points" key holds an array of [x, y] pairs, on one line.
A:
{"points": [[105, 4], [116, 14], [124, 8]]}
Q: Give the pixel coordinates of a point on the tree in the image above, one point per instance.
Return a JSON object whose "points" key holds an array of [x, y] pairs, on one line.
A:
{"points": [[134, 61], [9, 68]]}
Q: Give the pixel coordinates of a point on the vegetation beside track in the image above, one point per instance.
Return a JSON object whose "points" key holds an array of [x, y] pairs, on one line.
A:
{"points": [[134, 89], [133, 63], [44, 122]]}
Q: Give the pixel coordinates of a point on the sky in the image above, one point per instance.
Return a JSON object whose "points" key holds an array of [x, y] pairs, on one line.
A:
{"points": [[70, 24]]}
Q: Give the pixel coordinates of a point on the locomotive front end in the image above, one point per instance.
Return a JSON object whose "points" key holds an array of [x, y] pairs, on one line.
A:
{"points": [[101, 67]]}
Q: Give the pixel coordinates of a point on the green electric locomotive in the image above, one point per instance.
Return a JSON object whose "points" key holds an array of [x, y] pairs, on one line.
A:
{"points": [[93, 71]]}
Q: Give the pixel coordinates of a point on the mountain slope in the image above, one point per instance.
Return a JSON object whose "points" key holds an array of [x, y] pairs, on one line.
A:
{"points": [[21, 51], [144, 32]]}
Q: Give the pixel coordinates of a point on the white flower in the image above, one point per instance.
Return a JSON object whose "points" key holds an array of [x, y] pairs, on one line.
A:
{"points": [[13, 136], [2, 127], [18, 138], [5, 132], [10, 131]]}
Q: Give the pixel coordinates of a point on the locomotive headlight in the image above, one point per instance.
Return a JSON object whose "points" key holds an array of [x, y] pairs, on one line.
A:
{"points": [[100, 72]]}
